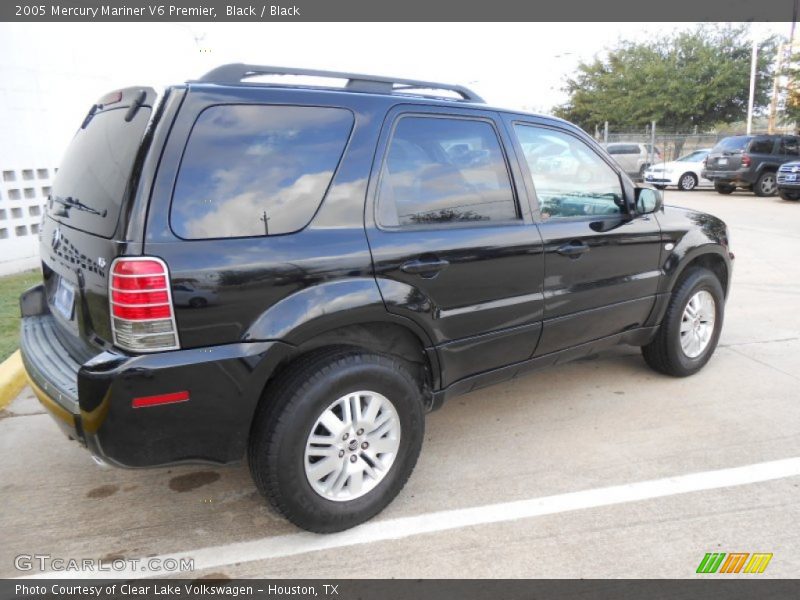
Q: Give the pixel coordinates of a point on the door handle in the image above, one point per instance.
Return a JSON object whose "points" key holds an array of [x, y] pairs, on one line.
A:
{"points": [[573, 249], [426, 268]]}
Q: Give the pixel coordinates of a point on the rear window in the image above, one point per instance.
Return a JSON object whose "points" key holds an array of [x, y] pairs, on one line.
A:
{"points": [[255, 170], [624, 149], [732, 144], [89, 189]]}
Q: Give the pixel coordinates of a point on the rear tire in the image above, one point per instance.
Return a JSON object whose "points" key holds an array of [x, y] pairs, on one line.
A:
{"points": [[766, 184], [671, 351], [290, 436], [723, 188]]}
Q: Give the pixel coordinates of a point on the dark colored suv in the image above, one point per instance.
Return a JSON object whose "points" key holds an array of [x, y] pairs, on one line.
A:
{"points": [[298, 274], [750, 162]]}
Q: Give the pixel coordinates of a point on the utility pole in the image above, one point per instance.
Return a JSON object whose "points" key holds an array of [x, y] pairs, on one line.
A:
{"points": [[653, 143], [753, 62], [773, 105], [265, 218], [605, 132]]}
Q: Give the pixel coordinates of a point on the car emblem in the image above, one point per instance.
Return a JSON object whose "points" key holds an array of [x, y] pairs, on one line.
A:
{"points": [[56, 241], [101, 262]]}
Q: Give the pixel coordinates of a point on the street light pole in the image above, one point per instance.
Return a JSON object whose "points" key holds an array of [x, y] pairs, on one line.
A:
{"points": [[753, 62]]}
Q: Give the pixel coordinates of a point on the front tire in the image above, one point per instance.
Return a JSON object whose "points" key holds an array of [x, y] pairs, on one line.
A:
{"points": [[690, 331], [687, 182], [787, 195], [319, 454], [766, 184]]}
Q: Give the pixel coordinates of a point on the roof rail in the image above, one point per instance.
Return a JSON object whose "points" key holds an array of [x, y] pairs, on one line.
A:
{"points": [[237, 72]]}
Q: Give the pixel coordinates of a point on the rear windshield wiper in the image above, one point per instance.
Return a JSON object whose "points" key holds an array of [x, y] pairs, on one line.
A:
{"points": [[70, 202]]}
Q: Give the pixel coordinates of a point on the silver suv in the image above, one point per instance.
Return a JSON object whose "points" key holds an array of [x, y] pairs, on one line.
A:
{"points": [[634, 158]]}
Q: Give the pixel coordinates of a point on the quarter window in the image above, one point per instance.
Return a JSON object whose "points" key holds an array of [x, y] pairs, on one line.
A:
{"points": [[254, 170], [444, 170], [570, 179]]}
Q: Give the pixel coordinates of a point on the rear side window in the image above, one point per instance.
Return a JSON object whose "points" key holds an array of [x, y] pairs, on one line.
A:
{"points": [[255, 170], [763, 146], [444, 170], [91, 184]]}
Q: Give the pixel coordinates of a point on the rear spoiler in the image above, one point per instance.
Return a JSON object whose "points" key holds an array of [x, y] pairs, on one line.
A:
{"points": [[132, 98]]}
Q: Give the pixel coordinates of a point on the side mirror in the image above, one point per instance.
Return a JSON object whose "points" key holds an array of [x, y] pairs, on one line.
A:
{"points": [[648, 200]]}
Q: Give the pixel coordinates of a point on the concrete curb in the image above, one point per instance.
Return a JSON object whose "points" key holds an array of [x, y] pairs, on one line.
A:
{"points": [[12, 379]]}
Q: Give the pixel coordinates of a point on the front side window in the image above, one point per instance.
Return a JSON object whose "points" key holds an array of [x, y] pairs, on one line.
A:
{"points": [[443, 171], [570, 179], [254, 170]]}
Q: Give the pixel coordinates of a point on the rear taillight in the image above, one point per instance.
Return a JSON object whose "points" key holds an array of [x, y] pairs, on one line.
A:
{"points": [[142, 315], [745, 160]]}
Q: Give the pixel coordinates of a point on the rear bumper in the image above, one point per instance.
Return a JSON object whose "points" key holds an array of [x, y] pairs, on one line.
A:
{"points": [[740, 177], [92, 400]]}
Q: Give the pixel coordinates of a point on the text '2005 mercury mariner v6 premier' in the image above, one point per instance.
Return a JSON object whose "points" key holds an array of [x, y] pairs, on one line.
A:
{"points": [[296, 274]]}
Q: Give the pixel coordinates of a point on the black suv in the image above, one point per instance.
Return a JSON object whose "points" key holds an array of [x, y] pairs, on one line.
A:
{"points": [[298, 274], [750, 162]]}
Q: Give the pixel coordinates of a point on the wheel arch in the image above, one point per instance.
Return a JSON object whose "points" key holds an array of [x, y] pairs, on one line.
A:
{"points": [[709, 256]]}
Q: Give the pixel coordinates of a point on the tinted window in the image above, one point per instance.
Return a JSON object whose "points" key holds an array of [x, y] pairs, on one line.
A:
{"points": [[696, 156], [96, 169], [570, 179], [444, 170], [762, 146], [254, 170], [624, 149], [789, 146]]}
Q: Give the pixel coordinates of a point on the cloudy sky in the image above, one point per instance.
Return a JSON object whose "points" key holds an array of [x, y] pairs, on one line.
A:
{"points": [[519, 65]]}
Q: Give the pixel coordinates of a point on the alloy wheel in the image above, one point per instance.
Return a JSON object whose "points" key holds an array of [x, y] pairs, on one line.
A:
{"points": [[352, 446], [697, 323]]}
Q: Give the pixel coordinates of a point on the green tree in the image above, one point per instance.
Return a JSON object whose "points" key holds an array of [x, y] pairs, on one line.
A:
{"points": [[694, 78]]}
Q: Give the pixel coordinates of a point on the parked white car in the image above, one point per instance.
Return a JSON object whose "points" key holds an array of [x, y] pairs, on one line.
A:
{"points": [[684, 172]]}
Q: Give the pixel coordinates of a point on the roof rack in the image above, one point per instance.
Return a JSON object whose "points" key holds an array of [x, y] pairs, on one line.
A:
{"points": [[237, 72]]}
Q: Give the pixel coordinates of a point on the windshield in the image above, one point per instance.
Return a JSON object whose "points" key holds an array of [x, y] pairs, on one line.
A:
{"points": [[696, 156], [89, 188], [733, 144]]}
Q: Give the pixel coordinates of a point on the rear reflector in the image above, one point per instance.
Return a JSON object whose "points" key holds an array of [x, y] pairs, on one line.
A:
{"points": [[142, 315], [160, 399]]}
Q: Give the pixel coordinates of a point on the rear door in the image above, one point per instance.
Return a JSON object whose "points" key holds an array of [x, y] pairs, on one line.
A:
{"points": [[453, 247], [601, 263], [87, 211]]}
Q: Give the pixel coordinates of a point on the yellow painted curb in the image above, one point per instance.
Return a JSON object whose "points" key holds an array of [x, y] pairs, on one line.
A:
{"points": [[12, 379]]}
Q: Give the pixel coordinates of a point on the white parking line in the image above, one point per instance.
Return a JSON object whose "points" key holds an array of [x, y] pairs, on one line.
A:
{"points": [[392, 529]]}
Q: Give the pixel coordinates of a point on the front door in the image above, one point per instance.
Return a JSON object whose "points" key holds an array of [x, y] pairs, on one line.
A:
{"points": [[601, 261], [452, 246]]}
